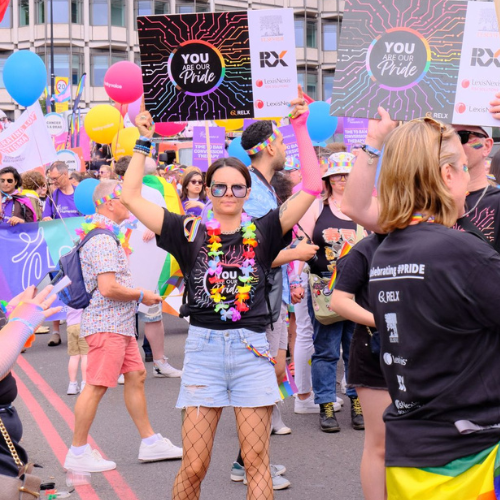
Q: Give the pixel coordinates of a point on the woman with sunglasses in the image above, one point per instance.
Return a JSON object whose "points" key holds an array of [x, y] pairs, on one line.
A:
{"points": [[434, 293], [193, 195], [226, 262]]}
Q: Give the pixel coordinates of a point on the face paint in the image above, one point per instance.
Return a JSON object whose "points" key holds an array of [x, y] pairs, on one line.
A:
{"points": [[477, 144]]}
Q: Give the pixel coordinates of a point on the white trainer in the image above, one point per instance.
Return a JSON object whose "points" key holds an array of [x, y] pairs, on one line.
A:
{"points": [[307, 405], [90, 461], [73, 388], [165, 369], [163, 449], [82, 385], [121, 379]]}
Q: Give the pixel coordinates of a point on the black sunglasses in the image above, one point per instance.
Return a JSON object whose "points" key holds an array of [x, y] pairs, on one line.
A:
{"points": [[219, 190], [8, 181], [465, 135], [200, 183]]}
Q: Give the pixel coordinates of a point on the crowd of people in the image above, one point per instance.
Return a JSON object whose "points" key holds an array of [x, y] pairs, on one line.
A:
{"points": [[412, 314]]}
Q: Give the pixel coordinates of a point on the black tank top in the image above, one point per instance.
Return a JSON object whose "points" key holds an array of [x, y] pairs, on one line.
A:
{"points": [[329, 234]]}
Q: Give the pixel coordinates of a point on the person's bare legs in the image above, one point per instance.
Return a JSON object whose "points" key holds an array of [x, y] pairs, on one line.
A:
{"points": [[198, 433], [85, 410], [279, 367], [373, 402], [83, 367], [156, 336], [135, 401], [73, 367], [254, 430]]}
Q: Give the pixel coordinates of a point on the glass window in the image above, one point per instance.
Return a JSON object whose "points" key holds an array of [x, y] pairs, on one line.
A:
{"points": [[184, 9], [299, 33], [99, 65], [61, 11], [330, 36], [118, 13], [312, 85], [311, 34], [24, 13], [162, 6], [3, 57], [7, 18], [99, 12], [143, 8], [40, 11], [300, 79], [76, 11], [76, 68], [327, 84], [202, 7], [117, 57]]}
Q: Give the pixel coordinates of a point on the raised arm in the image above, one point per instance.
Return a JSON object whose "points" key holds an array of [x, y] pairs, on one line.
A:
{"points": [[150, 214], [358, 201], [296, 206]]}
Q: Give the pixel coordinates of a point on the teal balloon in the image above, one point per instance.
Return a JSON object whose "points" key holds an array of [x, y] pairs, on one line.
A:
{"points": [[83, 196], [236, 149], [25, 77], [320, 124]]}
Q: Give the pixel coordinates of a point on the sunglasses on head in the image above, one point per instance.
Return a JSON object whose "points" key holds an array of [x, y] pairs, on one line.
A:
{"points": [[8, 181], [219, 190], [465, 135], [438, 126], [200, 183]]}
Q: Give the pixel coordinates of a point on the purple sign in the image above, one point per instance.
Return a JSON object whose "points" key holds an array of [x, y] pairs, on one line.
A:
{"points": [[247, 122], [355, 130], [217, 140], [292, 148]]}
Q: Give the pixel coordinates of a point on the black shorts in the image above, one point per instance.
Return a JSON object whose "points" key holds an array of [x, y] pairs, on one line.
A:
{"points": [[364, 366]]}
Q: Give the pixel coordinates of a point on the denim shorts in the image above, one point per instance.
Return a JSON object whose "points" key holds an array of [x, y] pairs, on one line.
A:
{"points": [[219, 370], [153, 315]]}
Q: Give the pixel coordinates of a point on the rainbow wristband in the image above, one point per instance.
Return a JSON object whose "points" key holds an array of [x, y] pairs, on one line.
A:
{"points": [[141, 296]]}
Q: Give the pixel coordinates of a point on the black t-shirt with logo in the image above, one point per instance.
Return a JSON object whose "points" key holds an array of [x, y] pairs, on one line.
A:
{"points": [[270, 242], [435, 294]]}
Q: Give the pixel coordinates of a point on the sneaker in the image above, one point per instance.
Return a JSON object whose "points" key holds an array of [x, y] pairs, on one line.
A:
{"points": [[339, 402], [121, 379], [357, 420], [279, 482], [82, 385], [162, 449], [90, 461], [55, 339], [73, 388], [42, 330], [327, 420], [277, 470], [237, 472], [343, 385], [277, 425], [164, 369], [307, 405]]}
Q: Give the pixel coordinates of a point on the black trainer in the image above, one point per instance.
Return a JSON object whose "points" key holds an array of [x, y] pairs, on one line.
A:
{"points": [[327, 420], [357, 420]]}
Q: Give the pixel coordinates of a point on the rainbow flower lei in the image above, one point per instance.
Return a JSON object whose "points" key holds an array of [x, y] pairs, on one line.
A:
{"points": [[90, 224], [215, 268]]}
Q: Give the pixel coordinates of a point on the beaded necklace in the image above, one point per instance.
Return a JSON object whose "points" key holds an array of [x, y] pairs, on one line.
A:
{"points": [[215, 268], [90, 224]]}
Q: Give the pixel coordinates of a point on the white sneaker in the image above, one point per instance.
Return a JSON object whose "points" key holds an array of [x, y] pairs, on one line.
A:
{"points": [[121, 379], [307, 405], [163, 449], [90, 461], [82, 385], [277, 425], [343, 385], [73, 388], [164, 369], [340, 402]]}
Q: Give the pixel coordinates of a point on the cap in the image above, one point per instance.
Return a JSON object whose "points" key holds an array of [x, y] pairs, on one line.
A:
{"points": [[340, 163], [292, 163]]}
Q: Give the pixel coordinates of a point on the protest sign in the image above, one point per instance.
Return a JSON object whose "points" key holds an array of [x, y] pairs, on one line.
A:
{"points": [[217, 141], [27, 144], [219, 65], [355, 130], [56, 124], [292, 148], [72, 157], [406, 60], [63, 93]]}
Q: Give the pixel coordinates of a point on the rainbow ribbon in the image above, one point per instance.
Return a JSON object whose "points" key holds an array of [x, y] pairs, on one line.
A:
{"points": [[346, 248], [190, 234]]}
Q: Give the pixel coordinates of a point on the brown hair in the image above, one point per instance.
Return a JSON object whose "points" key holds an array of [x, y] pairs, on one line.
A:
{"points": [[185, 182], [228, 162], [410, 178], [33, 180]]}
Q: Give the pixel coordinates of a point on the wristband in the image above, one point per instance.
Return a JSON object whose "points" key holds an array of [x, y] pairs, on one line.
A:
{"points": [[142, 138], [31, 328], [371, 152], [141, 296]]}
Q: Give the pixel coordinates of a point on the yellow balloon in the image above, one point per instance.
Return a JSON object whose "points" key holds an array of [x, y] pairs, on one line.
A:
{"points": [[229, 125], [102, 123], [126, 141]]}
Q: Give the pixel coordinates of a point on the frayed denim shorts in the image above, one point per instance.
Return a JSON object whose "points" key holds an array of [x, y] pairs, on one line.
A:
{"points": [[219, 370]]}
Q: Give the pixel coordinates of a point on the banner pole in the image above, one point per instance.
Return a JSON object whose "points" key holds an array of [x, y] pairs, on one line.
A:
{"points": [[207, 139]]}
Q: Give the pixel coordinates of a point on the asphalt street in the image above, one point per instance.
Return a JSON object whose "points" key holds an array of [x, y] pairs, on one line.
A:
{"points": [[318, 465]]}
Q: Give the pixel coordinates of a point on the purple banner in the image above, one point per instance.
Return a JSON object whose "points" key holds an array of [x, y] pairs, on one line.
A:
{"points": [[292, 148], [355, 130], [217, 137]]}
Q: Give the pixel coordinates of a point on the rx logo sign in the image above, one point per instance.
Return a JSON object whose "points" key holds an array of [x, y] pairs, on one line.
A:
{"points": [[485, 57], [272, 59]]}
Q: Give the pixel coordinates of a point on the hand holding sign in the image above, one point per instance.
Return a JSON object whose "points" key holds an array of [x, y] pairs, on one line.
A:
{"points": [[495, 106], [144, 122], [300, 104], [378, 130]]}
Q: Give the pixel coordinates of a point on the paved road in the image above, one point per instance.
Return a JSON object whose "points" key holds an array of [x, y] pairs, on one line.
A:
{"points": [[319, 465]]}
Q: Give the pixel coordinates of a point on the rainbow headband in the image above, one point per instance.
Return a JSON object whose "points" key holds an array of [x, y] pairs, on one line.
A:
{"points": [[263, 145], [114, 195]]}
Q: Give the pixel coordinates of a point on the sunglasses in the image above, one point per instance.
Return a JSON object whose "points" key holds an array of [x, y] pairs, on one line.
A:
{"points": [[338, 177], [465, 135], [200, 183], [52, 180], [437, 125], [219, 190], [8, 181]]}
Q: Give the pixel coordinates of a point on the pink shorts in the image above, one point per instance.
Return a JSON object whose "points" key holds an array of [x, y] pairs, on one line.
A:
{"points": [[110, 355]]}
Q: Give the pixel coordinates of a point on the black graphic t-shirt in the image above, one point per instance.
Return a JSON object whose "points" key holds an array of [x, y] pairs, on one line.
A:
{"points": [[486, 215], [435, 295], [270, 243]]}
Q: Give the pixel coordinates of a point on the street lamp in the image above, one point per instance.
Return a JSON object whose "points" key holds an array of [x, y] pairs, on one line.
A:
{"points": [[52, 75]]}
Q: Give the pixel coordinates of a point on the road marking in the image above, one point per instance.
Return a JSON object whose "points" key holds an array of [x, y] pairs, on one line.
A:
{"points": [[113, 477]]}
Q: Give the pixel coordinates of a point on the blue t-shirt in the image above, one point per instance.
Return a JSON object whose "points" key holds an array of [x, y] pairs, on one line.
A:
{"points": [[61, 206]]}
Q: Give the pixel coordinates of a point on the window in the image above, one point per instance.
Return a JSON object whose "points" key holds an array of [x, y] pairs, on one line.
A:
{"points": [[309, 83], [299, 33], [327, 84], [24, 13], [311, 29], [100, 61], [76, 11], [143, 8], [190, 7], [3, 57], [99, 12], [118, 13], [330, 35], [162, 6], [39, 11], [76, 68], [61, 11], [7, 19]]}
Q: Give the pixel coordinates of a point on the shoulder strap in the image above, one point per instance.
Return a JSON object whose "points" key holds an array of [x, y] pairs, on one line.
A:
{"points": [[96, 232], [470, 227]]}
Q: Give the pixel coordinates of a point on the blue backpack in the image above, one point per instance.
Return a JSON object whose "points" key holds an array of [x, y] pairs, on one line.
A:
{"points": [[75, 295]]}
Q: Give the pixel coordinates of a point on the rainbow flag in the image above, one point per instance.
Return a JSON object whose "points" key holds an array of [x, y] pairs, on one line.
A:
{"points": [[346, 248], [475, 477], [64, 96], [79, 91], [288, 387]]}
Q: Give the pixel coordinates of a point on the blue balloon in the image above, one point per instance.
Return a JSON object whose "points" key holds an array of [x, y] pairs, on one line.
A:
{"points": [[235, 149], [320, 124], [25, 77], [83, 196]]}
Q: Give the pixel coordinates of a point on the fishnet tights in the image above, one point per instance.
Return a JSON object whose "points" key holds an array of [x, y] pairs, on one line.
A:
{"points": [[198, 433]]}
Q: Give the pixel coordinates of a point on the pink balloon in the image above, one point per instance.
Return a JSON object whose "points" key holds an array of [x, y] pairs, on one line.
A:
{"points": [[123, 82], [134, 108], [169, 128], [122, 108]]}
